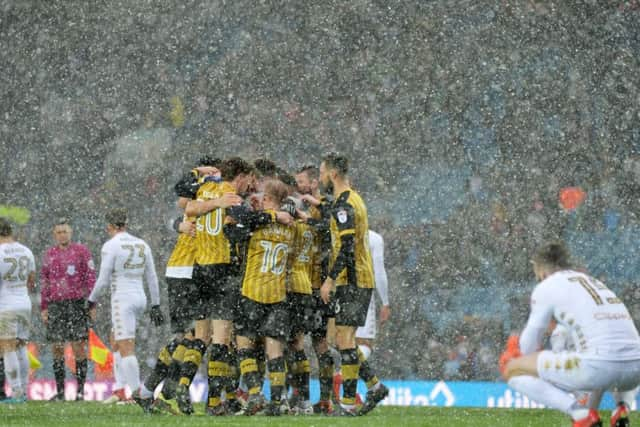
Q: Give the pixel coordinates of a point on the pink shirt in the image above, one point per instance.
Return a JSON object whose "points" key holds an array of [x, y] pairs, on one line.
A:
{"points": [[66, 274]]}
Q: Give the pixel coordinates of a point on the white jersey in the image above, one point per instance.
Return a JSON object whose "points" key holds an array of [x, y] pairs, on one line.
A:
{"points": [[561, 340], [376, 246], [16, 264], [598, 322], [126, 261]]}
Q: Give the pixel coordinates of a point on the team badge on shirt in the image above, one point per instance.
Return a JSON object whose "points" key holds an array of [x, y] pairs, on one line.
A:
{"points": [[71, 269], [342, 216]]}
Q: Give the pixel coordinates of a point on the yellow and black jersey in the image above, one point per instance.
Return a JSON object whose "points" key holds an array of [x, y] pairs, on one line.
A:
{"points": [[266, 263], [180, 263], [305, 255], [319, 218], [315, 212], [318, 272], [212, 246], [182, 258], [351, 258], [188, 185]]}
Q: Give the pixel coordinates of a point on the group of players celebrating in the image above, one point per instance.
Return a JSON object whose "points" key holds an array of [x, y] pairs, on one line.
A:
{"points": [[264, 258]]}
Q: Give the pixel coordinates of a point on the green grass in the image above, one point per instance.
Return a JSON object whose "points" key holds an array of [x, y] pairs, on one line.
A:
{"points": [[92, 414]]}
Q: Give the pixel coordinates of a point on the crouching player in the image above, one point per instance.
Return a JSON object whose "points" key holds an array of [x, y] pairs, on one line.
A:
{"points": [[607, 354]]}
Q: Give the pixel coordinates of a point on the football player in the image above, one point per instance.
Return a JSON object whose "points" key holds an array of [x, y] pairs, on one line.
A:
{"points": [[351, 278], [607, 354]]}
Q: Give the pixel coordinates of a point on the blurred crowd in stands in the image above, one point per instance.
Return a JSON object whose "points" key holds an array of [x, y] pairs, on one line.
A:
{"points": [[476, 130]]}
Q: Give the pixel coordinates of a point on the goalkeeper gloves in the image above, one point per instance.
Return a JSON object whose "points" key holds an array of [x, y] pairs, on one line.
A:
{"points": [[512, 351]]}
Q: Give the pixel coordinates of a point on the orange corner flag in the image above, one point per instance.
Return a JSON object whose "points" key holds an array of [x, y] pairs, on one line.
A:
{"points": [[98, 352]]}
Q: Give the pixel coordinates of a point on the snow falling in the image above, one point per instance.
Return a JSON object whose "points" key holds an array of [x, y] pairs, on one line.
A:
{"points": [[475, 129]]}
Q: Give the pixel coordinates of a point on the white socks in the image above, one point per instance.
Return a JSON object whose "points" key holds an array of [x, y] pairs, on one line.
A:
{"points": [[131, 372], [549, 395], [366, 351], [145, 393], [117, 371], [624, 396], [23, 362], [12, 370]]}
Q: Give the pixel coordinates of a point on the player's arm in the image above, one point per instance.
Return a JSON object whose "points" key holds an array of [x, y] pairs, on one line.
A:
{"points": [[253, 220], [176, 224], [345, 220], [151, 277], [236, 233], [322, 224], [31, 282], [188, 186], [323, 205], [31, 277], [532, 336], [182, 226], [246, 217], [107, 263], [344, 216], [309, 199], [182, 202], [89, 271], [201, 207], [186, 190]]}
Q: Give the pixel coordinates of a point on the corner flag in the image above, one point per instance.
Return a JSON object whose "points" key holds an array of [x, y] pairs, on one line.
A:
{"points": [[98, 352]]}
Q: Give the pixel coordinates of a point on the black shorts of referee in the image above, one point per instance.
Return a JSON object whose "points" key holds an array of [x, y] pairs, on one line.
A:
{"points": [[68, 321]]}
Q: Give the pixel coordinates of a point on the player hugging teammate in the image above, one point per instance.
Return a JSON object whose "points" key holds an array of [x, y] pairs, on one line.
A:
{"points": [[265, 274]]}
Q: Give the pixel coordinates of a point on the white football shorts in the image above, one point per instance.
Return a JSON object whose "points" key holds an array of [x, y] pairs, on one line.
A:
{"points": [[369, 330], [125, 310], [14, 324], [571, 372]]}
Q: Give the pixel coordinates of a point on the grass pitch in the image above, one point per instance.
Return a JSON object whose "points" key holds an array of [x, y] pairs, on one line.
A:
{"points": [[93, 414]]}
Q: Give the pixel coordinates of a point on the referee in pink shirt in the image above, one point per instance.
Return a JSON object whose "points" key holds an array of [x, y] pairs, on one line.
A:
{"points": [[66, 280]]}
